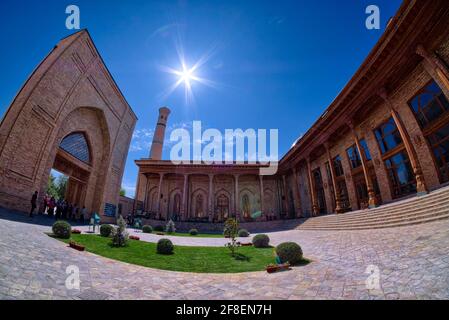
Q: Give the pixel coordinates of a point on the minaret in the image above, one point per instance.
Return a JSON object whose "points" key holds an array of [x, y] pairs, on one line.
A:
{"points": [[159, 134]]}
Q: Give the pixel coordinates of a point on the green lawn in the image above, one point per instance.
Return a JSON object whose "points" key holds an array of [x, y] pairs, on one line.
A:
{"points": [[187, 259], [200, 235]]}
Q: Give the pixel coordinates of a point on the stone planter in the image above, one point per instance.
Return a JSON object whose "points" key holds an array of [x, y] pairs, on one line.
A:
{"points": [[76, 246], [276, 268]]}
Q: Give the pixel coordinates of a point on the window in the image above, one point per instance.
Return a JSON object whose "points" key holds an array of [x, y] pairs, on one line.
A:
{"points": [[439, 143], [338, 167], [388, 136], [354, 157], [76, 145], [429, 104], [365, 149], [401, 175]]}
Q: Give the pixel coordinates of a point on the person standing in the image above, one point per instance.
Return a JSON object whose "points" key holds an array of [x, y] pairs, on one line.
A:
{"points": [[33, 203], [83, 214]]}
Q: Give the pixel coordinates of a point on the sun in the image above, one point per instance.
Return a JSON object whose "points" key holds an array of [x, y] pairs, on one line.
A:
{"points": [[186, 75]]}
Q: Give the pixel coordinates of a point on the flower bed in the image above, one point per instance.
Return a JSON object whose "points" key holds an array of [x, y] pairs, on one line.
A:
{"points": [[249, 244], [272, 268], [134, 238], [76, 246], [160, 233], [76, 231]]}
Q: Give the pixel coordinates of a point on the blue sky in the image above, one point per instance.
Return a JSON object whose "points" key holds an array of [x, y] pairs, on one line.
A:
{"points": [[275, 64]]}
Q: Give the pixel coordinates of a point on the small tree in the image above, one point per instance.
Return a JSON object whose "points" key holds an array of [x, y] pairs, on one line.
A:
{"points": [[170, 227], [119, 234], [230, 231]]}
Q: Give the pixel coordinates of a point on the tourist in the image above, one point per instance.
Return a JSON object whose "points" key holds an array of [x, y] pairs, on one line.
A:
{"points": [[83, 214], [58, 210], [33, 203], [45, 203], [69, 211], [65, 208], [51, 207]]}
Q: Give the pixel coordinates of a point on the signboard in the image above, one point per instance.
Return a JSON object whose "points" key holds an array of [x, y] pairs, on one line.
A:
{"points": [[110, 210]]}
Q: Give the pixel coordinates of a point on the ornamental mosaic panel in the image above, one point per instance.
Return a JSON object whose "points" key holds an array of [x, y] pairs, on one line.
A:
{"points": [[76, 145]]}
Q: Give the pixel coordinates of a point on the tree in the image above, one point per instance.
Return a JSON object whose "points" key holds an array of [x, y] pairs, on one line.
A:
{"points": [[122, 192], [230, 231], [57, 186]]}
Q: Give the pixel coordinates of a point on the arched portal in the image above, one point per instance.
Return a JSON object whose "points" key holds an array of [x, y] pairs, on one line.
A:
{"points": [[73, 158]]}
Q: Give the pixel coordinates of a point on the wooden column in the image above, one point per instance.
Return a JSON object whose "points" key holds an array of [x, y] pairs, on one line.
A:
{"points": [[145, 203], [261, 193], [236, 197], [436, 63], [159, 192], [296, 193], [372, 201], [286, 196], [184, 209], [338, 206], [420, 182], [313, 198], [210, 198]]}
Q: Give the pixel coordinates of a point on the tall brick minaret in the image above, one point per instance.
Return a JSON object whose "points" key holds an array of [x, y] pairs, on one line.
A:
{"points": [[159, 134]]}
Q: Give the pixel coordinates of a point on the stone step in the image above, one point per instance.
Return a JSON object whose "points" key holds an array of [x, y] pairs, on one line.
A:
{"points": [[375, 217], [380, 226], [387, 220], [417, 203]]}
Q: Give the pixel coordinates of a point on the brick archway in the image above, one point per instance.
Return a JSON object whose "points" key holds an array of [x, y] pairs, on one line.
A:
{"points": [[70, 91]]}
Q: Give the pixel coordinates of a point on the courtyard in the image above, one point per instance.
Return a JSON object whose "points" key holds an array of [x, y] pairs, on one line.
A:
{"points": [[412, 261]]}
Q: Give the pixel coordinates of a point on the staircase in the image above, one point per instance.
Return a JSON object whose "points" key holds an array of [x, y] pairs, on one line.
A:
{"points": [[420, 209]]}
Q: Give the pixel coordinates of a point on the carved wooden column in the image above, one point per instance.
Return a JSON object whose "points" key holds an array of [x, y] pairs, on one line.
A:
{"points": [[437, 65], [420, 182], [146, 198], [210, 198], [159, 191], [338, 206], [236, 197], [297, 200], [372, 200], [315, 209], [261, 193], [184, 209], [286, 196]]}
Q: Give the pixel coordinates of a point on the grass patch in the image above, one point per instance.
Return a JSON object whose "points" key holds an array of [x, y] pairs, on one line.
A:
{"points": [[186, 234], [186, 259]]}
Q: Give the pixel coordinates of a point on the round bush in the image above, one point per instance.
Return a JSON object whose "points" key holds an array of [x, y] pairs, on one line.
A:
{"points": [[105, 230], [165, 246], [193, 232], [62, 229], [289, 252], [147, 229], [243, 233], [159, 228], [261, 241]]}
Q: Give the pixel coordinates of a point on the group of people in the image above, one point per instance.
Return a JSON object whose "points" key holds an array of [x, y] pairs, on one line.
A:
{"points": [[59, 209]]}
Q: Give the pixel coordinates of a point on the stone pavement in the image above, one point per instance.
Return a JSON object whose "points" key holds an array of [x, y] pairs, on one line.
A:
{"points": [[413, 263]]}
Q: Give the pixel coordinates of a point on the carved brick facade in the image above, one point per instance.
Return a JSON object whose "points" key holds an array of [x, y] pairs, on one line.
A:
{"points": [[71, 91], [329, 169]]}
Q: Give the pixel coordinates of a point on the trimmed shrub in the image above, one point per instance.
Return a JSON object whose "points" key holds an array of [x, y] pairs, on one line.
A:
{"points": [[147, 229], [243, 233], [106, 230], [289, 252], [119, 234], [170, 227], [165, 246], [261, 241], [193, 232], [159, 228], [62, 229]]}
